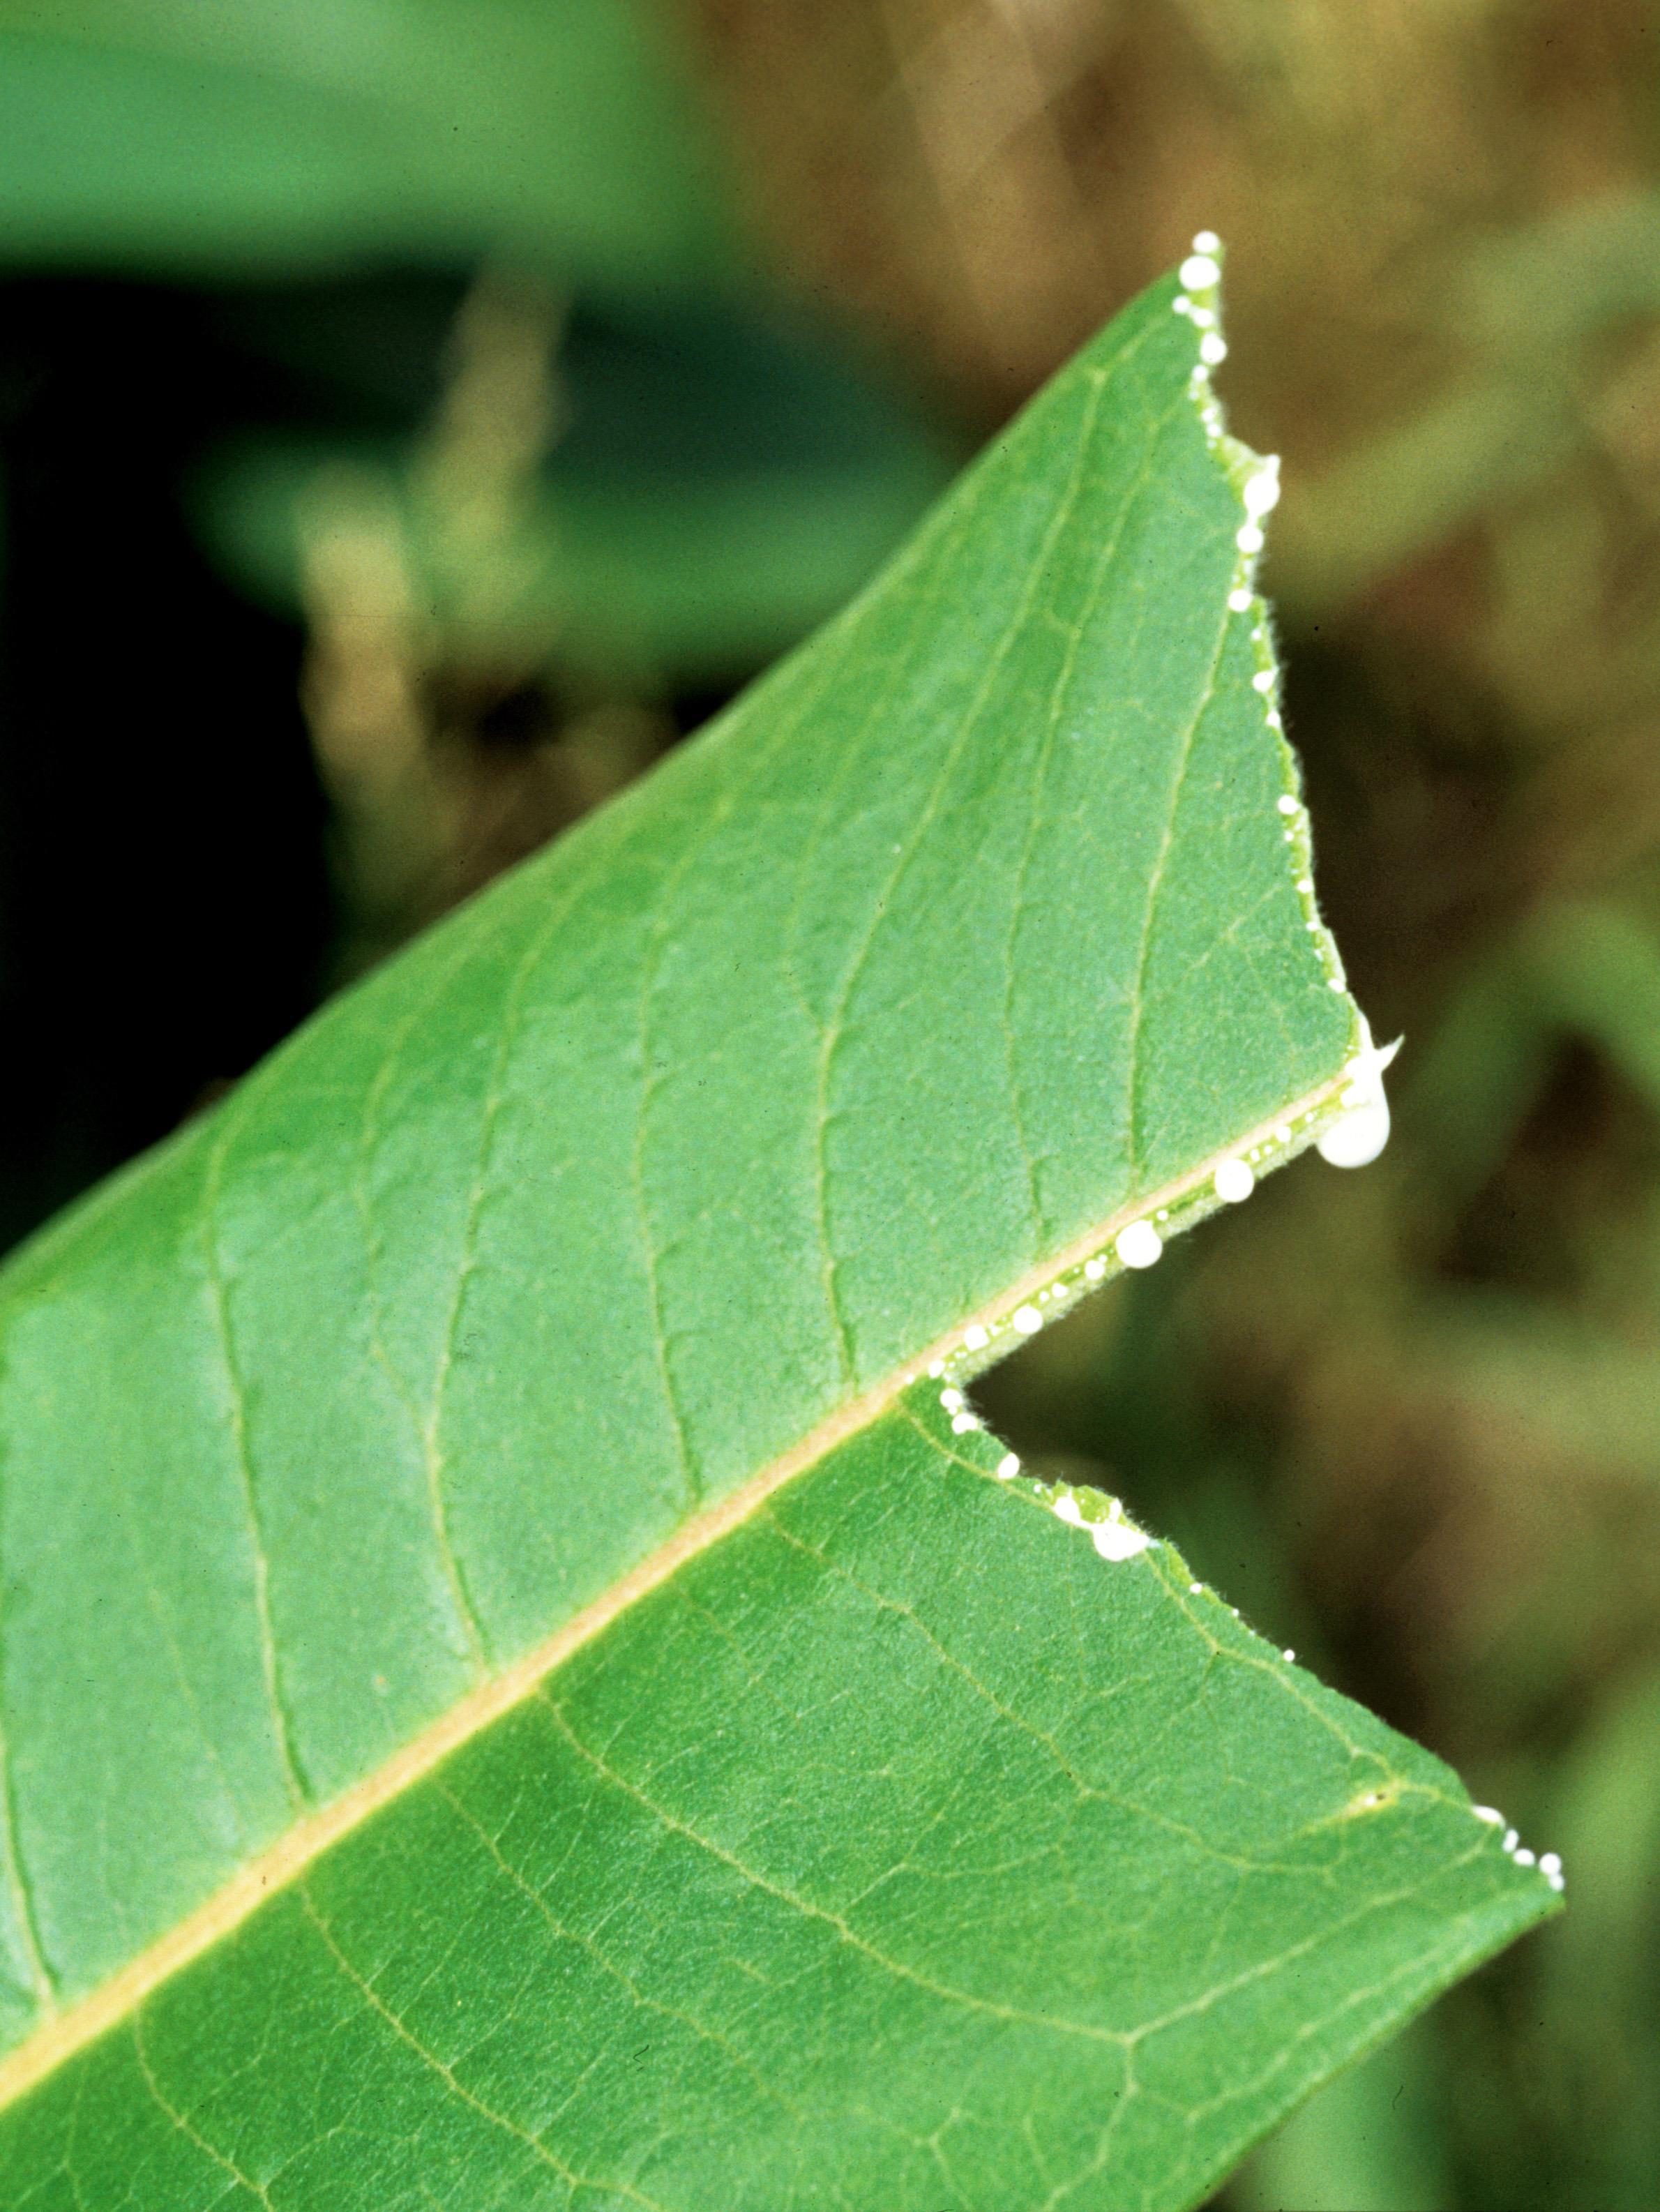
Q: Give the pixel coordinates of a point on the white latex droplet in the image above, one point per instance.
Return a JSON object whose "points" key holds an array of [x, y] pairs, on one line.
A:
{"points": [[1119, 1539], [1094, 1269], [1199, 272], [1213, 349], [1206, 242], [974, 1338], [1356, 1139], [1028, 1320], [1360, 1133], [1008, 1465], [1140, 1245], [1234, 1182]]}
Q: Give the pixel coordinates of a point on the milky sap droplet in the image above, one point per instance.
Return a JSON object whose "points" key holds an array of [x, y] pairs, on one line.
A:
{"points": [[1359, 1138], [1140, 1245], [1234, 1181], [1119, 1539], [1362, 1130]]}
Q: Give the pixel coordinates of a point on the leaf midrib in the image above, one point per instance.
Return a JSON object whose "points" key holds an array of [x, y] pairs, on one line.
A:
{"points": [[65, 2032]]}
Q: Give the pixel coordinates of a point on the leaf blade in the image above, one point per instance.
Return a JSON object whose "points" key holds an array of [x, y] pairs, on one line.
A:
{"points": [[515, 1287], [726, 1942]]}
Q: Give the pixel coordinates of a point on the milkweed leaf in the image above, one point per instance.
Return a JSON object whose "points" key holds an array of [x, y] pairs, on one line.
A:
{"points": [[523, 1681]]}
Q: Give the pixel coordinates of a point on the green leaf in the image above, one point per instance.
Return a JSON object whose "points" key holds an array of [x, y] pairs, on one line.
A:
{"points": [[142, 131], [523, 1682]]}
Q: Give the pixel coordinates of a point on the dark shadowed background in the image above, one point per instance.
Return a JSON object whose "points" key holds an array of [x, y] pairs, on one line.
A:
{"points": [[415, 415]]}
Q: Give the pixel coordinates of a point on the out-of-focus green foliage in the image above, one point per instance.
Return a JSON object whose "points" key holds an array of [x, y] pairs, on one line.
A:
{"points": [[715, 485], [722, 485], [252, 133], [634, 471]]}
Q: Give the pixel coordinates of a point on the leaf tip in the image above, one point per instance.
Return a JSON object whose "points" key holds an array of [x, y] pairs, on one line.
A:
{"points": [[1546, 1863]]}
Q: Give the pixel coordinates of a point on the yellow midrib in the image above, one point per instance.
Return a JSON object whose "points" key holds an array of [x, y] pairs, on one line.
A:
{"points": [[58, 2039]]}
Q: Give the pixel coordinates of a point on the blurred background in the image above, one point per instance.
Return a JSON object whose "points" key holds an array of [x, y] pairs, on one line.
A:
{"points": [[416, 415]]}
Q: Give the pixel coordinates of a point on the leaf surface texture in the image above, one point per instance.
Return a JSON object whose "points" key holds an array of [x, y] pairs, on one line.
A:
{"points": [[516, 1690]]}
